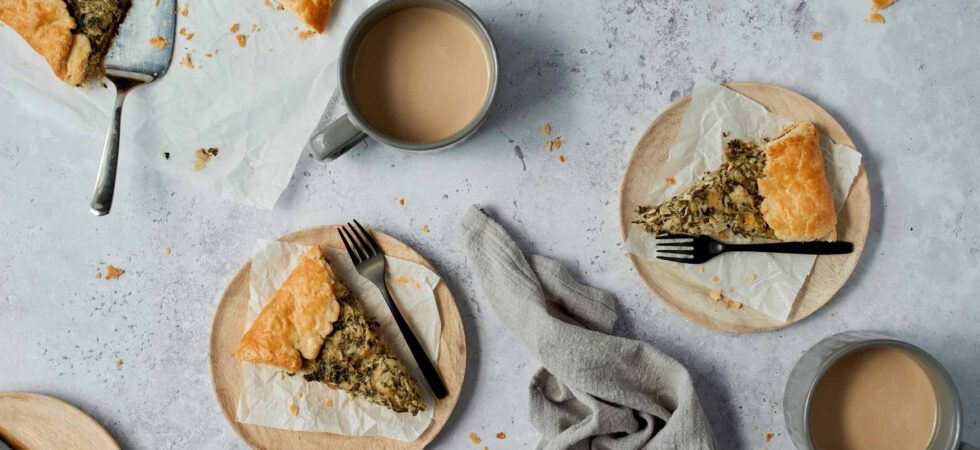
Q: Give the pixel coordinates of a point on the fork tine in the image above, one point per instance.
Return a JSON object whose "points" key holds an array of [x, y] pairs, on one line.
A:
{"points": [[370, 238], [353, 242], [675, 236], [350, 252], [369, 247], [677, 252], [679, 260], [676, 244]]}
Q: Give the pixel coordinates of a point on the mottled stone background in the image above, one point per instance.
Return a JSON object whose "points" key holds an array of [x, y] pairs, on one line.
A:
{"points": [[599, 72]]}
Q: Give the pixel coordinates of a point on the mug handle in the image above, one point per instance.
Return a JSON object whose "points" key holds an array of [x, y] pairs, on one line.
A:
{"points": [[966, 446], [335, 139]]}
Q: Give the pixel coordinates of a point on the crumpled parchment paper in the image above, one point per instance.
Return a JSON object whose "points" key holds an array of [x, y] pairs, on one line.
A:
{"points": [[767, 282], [257, 104], [268, 393]]}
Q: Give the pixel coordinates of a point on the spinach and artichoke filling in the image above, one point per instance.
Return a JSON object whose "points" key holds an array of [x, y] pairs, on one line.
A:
{"points": [[97, 20], [727, 199], [355, 359]]}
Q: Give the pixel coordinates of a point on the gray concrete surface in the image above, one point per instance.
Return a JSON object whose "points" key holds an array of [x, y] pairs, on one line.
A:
{"points": [[599, 72]]}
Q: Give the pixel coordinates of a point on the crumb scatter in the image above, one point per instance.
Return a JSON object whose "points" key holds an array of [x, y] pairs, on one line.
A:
{"points": [[158, 42]]}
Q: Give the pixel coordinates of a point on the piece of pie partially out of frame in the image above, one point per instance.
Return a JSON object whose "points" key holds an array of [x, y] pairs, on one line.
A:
{"points": [[777, 190], [72, 35]]}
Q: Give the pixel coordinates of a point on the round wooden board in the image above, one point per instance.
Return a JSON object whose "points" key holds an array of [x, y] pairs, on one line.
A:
{"points": [[689, 298], [229, 325], [29, 421]]}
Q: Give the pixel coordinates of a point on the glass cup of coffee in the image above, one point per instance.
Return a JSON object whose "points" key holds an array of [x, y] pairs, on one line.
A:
{"points": [[417, 75], [867, 390]]}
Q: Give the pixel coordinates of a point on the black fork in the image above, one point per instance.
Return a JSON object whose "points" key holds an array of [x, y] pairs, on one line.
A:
{"points": [[369, 261], [699, 249]]}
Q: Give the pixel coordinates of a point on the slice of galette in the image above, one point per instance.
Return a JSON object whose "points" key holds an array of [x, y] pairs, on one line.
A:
{"points": [[72, 35], [315, 326], [778, 191]]}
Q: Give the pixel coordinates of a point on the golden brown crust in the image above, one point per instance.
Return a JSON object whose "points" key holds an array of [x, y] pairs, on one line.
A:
{"points": [[312, 12], [47, 26], [292, 326], [796, 199]]}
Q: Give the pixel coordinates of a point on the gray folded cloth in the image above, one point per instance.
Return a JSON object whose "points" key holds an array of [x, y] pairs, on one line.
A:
{"points": [[595, 390]]}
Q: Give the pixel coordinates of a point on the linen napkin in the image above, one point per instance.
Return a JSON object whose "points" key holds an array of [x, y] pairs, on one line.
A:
{"points": [[595, 390]]}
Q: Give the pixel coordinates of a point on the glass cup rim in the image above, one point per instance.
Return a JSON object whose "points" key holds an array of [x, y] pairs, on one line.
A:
{"points": [[921, 355]]}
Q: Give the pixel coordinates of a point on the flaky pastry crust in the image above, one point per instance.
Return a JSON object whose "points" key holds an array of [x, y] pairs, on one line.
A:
{"points": [[47, 26], [796, 199], [293, 325], [312, 12]]}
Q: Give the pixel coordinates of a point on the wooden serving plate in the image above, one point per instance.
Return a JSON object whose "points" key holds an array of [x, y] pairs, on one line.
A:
{"points": [[687, 297], [229, 325], [31, 421]]}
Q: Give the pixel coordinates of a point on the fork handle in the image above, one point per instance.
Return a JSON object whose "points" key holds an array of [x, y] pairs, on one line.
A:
{"points": [[802, 248], [425, 365]]}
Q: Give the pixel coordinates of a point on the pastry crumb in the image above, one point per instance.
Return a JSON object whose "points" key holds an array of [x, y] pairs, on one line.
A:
{"points": [[425, 228], [670, 180], [474, 438], [202, 156], [751, 276], [715, 278], [234, 27], [184, 10], [158, 42], [876, 18], [190, 36], [715, 295], [546, 129], [401, 201], [701, 269], [166, 250], [293, 409], [255, 27], [561, 158], [878, 5], [241, 40], [186, 61], [768, 436], [98, 275], [304, 35], [119, 362], [817, 36], [556, 143], [328, 403], [501, 435], [112, 272]]}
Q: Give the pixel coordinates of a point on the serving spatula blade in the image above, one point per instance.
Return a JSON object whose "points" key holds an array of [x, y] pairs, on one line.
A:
{"points": [[132, 61]]}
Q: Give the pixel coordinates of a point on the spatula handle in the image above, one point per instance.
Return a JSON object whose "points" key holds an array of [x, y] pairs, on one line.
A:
{"points": [[105, 184]]}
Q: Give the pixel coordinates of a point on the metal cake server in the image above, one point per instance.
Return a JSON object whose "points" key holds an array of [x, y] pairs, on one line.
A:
{"points": [[131, 62]]}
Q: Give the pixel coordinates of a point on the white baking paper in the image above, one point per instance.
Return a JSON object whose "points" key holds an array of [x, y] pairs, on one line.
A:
{"points": [[766, 282], [268, 393], [256, 104]]}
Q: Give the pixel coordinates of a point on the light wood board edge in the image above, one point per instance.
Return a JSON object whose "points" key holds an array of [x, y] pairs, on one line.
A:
{"points": [[29, 420]]}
